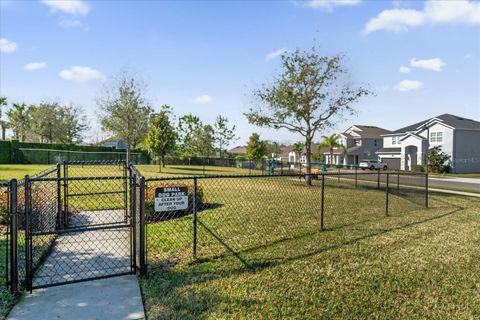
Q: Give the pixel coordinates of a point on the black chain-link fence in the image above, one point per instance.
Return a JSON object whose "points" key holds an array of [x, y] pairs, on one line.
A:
{"points": [[231, 214], [85, 220]]}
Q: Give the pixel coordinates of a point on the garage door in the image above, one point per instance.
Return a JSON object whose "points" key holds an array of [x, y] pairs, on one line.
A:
{"points": [[392, 163]]}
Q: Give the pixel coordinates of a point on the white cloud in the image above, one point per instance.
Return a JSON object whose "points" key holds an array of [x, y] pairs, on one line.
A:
{"points": [[35, 66], [80, 74], [433, 12], [274, 54], [72, 23], [404, 69], [203, 99], [435, 64], [73, 7], [328, 5], [408, 85], [7, 46]]}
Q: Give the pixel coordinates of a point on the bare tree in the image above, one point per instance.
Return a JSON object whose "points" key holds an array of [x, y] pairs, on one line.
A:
{"points": [[310, 94]]}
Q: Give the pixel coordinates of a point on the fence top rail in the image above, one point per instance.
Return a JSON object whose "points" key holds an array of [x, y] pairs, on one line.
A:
{"points": [[134, 171], [93, 162], [79, 178], [298, 175], [80, 151]]}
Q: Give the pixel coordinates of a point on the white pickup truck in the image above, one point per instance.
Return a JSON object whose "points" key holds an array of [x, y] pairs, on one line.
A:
{"points": [[372, 165]]}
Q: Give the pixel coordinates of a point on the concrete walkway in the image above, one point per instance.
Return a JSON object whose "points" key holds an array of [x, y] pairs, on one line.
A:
{"points": [[79, 255], [112, 298]]}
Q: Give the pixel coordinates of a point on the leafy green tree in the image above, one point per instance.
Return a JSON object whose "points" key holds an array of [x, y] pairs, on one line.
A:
{"points": [[161, 136], [273, 147], [223, 134], [308, 96], [331, 142], [43, 121], [205, 140], [318, 155], [72, 123], [188, 128], [126, 110], [18, 121], [256, 148], [437, 159]]}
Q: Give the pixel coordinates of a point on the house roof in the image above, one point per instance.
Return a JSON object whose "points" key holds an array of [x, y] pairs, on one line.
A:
{"points": [[370, 131], [389, 150], [451, 120], [239, 150]]}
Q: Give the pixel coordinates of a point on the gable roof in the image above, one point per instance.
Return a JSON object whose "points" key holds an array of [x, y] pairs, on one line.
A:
{"points": [[367, 132], [238, 150], [451, 120]]}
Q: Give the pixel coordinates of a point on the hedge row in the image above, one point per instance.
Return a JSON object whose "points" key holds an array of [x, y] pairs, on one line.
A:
{"points": [[44, 153]]}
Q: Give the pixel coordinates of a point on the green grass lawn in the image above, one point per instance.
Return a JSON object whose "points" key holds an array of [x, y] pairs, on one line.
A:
{"points": [[419, 264], [18, 171], [260, 254]]}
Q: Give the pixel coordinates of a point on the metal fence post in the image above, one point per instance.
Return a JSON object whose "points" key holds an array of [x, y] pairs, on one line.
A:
{"points": [[194, 217], [322, 206], [13, 237], [398, 183], [65, 195], [59, 197], [426, 190], [133, 217], [378, 179], [142, 249], [28, 240], [386, 196]]}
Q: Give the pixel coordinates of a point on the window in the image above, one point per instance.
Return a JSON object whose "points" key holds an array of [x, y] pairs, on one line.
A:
{"points": [[436, 137], [375, 142], [357, 142], [394, 140]]}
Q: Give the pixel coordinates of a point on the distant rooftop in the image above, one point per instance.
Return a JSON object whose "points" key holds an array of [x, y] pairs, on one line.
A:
{"points": [[451, 120]]}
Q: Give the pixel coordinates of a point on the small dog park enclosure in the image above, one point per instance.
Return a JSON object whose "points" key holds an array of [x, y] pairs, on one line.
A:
{"points": [[87, 220]]}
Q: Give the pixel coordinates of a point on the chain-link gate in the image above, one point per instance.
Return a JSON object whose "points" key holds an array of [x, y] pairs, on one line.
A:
{"points": [[79, 224]]}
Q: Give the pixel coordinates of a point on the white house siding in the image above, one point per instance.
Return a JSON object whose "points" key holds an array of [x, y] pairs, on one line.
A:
{"points": [[466, 156], [405, 162], [447, 144]]}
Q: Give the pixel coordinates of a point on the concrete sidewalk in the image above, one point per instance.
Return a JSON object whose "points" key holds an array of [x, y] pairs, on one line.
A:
{"points": [[112, 298], [457, 179]]}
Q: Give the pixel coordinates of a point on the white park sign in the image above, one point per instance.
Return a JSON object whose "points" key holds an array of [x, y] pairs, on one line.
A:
{"points": [[171, 198]]}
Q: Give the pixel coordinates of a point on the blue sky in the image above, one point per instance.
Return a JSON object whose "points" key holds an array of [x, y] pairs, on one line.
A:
{"points": [[206, 57]]}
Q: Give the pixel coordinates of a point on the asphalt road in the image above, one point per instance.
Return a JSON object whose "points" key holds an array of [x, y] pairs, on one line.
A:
{"points": [[467, 184]]}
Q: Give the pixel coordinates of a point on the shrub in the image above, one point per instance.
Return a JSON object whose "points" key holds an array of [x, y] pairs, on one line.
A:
{"points": [[418, 168], [3, 208], [150, 213]]}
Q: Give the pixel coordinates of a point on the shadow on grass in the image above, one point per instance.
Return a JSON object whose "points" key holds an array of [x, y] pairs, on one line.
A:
{"points": [[180, 293]]}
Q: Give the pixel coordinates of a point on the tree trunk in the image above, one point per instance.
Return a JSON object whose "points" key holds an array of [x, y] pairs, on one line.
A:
{"points": [[308, 151], [163, 161]]}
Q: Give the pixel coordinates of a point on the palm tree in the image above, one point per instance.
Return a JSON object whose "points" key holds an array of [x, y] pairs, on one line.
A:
{"points": [[331, 142], [3, 102]]}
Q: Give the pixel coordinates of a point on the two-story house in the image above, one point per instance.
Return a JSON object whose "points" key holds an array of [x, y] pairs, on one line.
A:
{"points": [[359, 143], [458, 137]]}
